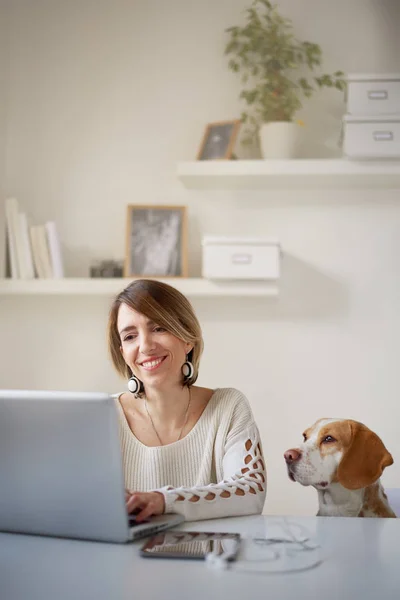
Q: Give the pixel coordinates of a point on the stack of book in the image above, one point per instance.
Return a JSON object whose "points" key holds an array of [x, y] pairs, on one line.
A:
{"points": [[32, 250]]}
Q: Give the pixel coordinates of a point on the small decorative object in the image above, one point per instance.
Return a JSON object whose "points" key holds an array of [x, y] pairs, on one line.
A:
{"points": [[269, 58], [219, 140], [107, 268], [156, 241]]}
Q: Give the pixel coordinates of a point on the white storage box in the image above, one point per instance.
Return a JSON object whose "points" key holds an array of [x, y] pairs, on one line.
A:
{"points": [[240, 258], [369, 94], [366, 137]]}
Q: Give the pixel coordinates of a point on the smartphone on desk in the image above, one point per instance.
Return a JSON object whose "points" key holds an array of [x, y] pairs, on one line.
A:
{"points": [[192, 545]]}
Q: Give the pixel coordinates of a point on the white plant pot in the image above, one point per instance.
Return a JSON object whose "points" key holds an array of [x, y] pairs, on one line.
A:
{"points": [[279, 139]]}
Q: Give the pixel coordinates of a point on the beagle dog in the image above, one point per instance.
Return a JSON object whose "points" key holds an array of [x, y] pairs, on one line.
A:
{"points": [[343, 460]]}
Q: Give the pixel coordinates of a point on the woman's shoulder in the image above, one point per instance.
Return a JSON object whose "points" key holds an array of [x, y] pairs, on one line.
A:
{"points": [[238, 411], [118, 399], [233, 402], [231, 396]]}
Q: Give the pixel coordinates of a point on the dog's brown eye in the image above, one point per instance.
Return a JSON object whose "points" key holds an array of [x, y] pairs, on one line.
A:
{"points": [[328, 439], [304, 437]]}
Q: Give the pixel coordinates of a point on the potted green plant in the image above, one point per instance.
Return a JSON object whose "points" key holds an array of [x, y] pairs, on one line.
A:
{"points": [[277, 71]]}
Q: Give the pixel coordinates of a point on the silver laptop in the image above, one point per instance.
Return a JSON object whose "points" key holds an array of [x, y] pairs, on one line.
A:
{"points": [[61, 468]]}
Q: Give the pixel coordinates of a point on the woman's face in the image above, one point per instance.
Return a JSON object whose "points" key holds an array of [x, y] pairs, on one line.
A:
{"points": [[154, 355]]}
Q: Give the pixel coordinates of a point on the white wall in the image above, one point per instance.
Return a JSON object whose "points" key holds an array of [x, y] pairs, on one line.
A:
{"points": [[3, 87], [3, 83], [103, 99]]}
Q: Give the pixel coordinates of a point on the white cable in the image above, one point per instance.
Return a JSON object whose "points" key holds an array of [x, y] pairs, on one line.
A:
{"points": [[287, 553]]}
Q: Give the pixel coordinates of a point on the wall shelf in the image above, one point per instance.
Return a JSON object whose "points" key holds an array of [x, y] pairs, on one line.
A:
{"points": [[289, 174], [191, 287]]}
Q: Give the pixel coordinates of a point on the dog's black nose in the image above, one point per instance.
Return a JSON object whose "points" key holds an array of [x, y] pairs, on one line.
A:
{"points": [[292, 455]]}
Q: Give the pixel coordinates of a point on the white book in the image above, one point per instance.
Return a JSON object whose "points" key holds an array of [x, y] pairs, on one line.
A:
{"points": [[37, 261], [54, 246], [16, 223], [11, 207], [44, 251], [26, 247], [40, 252]]}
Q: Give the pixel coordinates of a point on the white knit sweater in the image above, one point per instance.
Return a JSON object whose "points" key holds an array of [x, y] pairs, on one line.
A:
{"points": [[216, 470]]}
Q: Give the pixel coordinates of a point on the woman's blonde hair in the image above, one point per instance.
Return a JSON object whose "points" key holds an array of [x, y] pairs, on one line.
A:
{"points": [[164, 305]]}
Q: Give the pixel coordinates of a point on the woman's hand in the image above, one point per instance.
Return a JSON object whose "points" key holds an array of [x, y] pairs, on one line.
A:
{"points": [[144, 504]]}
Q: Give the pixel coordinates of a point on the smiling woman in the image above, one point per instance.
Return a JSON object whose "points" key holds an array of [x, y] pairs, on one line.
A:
{"points": [[186, 449]]}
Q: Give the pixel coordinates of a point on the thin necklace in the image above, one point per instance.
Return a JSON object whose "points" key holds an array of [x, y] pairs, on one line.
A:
{"points": [[184, 423]]}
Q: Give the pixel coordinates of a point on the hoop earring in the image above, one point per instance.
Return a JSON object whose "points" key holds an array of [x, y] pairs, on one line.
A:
{"points": [[187, 369], [134, 385]]}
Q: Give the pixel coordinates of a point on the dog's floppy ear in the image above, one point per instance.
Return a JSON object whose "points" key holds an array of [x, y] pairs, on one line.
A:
{"points": [[364, 460]]}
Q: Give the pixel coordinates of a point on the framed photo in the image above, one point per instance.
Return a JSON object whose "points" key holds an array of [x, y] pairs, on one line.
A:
{"points": [[219, 140], [156, 241]]}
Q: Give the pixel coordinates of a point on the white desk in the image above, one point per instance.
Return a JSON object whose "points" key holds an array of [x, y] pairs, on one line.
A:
{"points": [[361, 561]]}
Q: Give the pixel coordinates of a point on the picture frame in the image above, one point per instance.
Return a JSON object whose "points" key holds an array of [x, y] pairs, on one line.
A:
{"points": [[219, 140], [156, 241]]}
